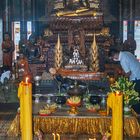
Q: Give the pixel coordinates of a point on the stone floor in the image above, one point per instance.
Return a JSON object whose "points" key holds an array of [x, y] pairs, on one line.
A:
{"points": [[8, 112]]}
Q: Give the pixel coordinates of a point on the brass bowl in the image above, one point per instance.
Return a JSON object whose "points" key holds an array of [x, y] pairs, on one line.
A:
{"points": [[77, 90]]}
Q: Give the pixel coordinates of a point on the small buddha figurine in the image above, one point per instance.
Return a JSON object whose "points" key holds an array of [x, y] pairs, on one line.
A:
{"points": [[34, 51], [75, 59], [23, 44], [41, 44]]}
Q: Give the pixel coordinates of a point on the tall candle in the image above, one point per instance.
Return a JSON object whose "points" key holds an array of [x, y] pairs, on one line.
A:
{"points": [[115, 102], [25, 96], [58, 136], [54, 136]]}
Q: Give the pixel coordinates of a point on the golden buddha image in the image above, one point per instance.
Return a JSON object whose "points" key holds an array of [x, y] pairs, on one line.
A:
{"points": [[77, 7]]}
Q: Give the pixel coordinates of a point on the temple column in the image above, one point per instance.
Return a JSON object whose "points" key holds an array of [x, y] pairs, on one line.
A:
{"points": [[120, 20], [1, 35], [6, 16], [131, 16], [33, 3], [23, 21]]}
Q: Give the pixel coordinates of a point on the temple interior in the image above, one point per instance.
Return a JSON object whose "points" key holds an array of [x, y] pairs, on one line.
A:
{"points": [[69, 69]]}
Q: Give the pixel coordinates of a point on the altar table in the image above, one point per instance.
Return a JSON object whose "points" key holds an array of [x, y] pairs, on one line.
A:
{"points": [[88, 123], [84, 123]]}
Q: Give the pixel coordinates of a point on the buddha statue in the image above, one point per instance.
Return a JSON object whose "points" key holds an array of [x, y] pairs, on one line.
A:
{"points": [[76, 8], [34, 51], [23, 44], [75, 4], [77, 44], [77, 55]]}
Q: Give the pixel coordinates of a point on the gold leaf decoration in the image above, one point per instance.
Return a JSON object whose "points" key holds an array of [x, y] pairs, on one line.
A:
{"points": [[58, 54], [94, 56]]}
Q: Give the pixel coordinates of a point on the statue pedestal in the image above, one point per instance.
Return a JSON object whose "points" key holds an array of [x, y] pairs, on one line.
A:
{"points": [[80, 75]]}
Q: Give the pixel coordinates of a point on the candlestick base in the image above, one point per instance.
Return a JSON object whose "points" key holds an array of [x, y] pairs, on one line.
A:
{"points": [[73, 111]]}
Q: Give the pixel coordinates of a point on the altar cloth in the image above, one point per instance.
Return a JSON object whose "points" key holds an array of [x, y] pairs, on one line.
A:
{"points": [[83, 125], [86, 123]]}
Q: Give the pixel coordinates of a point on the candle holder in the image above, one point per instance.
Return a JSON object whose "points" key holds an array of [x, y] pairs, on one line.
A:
{"points": [[73, 110], [37, 80], [37, 96], [48, 96], [73, 102]]}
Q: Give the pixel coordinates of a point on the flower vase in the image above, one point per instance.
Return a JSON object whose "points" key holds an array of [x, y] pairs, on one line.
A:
{"points": [[127, 110]]}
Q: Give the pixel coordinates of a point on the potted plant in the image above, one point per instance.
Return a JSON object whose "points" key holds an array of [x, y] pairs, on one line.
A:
{"points": [[126, 87]]}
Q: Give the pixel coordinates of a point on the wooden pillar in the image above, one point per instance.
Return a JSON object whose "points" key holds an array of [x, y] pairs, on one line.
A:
{"points": [[120, 20], [37, 15], [7, 16], [1, 35], [33, 7], [125, 6], [23, 20], [131, 16]]}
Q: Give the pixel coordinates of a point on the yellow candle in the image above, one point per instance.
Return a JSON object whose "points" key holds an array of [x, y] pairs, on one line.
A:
{"points": [[115, 102], [25, 95], [54, 136], [58, 136]]}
